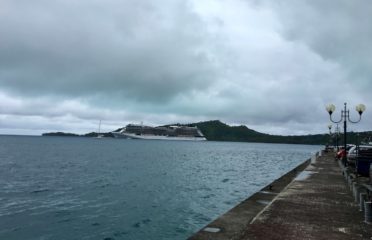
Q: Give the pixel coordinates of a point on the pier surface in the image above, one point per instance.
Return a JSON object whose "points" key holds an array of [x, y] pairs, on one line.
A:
{"points": [[317, 204]]}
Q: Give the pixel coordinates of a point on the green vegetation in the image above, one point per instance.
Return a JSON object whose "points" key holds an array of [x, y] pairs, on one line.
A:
{"points": [[62, 134], [218, 131]]}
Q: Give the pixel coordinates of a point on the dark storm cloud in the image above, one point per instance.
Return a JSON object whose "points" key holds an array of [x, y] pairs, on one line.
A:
{"points": [[339, 31], [132, 49], [272, 65]]}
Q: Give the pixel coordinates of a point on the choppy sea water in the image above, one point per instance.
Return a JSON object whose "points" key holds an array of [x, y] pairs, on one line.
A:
{"points": [[85, 188]]}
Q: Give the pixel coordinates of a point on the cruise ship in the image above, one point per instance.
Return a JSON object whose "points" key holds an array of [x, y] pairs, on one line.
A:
{"points": [[184, 133]]}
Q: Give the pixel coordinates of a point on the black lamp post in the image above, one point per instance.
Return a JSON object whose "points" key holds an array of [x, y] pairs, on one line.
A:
{"points": [[337, 135], [330, 134], [345, 116]]}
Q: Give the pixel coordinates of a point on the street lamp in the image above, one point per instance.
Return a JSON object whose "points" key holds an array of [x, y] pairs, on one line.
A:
{"points": [[345, 116], [330, 128], [337, 130], [330, 134]]}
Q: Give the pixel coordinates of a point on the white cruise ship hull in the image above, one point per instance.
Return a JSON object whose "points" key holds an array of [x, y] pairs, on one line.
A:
{"points": [[156, 137]]}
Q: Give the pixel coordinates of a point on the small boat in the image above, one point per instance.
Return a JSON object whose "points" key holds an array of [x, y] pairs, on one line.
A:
{"points": [[99, 135]]}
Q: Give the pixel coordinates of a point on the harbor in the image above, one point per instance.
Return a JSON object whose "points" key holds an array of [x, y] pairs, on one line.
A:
{"points": [[174, 120], [321, 202], [129, 189]]}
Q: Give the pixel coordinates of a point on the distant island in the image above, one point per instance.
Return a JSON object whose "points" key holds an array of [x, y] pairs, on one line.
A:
{"points": [[215, 130], [63, 134]]}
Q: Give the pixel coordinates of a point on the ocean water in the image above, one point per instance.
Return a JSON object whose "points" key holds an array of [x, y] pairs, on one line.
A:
{"points": [[85, 188]]}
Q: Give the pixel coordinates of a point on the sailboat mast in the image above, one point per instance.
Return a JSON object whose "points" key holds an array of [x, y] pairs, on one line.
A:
{"points": [[99, 127]]}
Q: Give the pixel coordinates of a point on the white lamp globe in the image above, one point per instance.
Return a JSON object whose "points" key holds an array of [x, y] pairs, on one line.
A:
{"points": [[360, 108], [330, 108]]}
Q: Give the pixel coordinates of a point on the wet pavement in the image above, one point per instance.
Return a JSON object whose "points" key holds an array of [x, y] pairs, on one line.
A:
{"points": [[317, 204]]}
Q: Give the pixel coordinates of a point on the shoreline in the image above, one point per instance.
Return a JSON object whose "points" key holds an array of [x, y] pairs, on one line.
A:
{"points": [[234, 222]]}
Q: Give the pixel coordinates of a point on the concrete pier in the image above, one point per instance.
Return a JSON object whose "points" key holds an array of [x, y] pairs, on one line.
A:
{"points": [[317, 204]]}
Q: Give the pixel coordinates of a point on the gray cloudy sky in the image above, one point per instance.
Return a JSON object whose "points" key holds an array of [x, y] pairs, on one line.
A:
{"points": [[271, 65]]}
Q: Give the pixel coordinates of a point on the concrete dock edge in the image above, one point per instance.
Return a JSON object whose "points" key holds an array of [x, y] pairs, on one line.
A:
{"points": [[234, 222]]}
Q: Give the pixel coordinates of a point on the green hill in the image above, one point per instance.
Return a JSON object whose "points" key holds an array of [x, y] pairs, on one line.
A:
{"points": [[217, 131]]}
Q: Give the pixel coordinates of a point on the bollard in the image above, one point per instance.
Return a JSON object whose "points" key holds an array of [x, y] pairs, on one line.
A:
{"points": [[344, 173], [351, 184], [362, 198], [368, 212], [349, 179], [358, 191]]}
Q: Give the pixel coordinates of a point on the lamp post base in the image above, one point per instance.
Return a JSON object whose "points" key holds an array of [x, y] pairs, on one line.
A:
{"points": [[344, 161]]}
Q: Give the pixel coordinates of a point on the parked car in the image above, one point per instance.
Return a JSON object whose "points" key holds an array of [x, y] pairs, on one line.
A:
{"points": [[342, 153], [363, 162], [354, 151]]}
